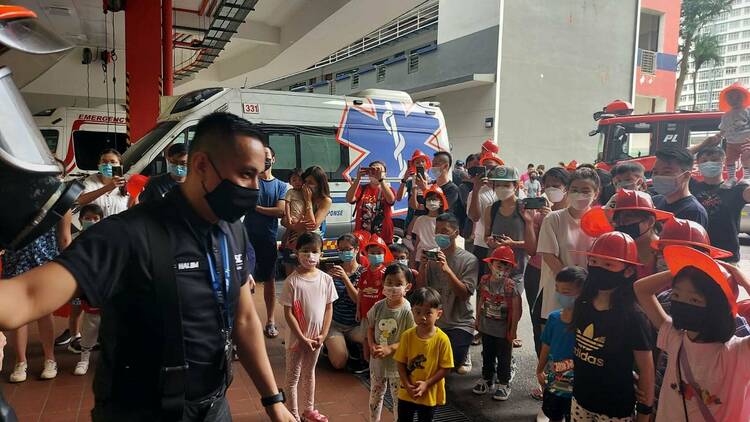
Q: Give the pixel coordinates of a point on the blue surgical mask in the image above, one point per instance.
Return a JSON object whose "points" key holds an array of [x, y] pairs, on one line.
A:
{"points": [[443, 241], [375, 259], [86, 224], [105, 169], [177, 170], [710, 168], [665, 185], [346, 256], [565, 301], [435, 172]]}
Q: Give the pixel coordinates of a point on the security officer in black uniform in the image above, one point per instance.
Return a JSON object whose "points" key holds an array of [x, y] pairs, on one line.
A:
{"points": [[171, 280]]}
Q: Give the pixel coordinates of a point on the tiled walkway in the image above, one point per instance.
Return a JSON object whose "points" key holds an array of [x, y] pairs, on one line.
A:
{"points": [[68, 398]]}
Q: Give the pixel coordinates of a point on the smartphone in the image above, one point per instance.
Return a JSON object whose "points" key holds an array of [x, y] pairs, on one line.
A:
{"points": [[431, 255], [478, 171], [534, 203], [420, 171], [327, 265], [117, 171]]}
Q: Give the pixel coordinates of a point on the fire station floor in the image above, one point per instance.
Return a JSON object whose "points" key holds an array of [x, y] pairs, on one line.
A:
{"points": [[68, 398]]}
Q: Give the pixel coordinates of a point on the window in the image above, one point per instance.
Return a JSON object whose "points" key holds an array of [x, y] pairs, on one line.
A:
{"points": [[648, 33], [294, 87], [320, 150], [733, 25], [355, 80], [745, 46], [745, 58], [88, 145], [629, 141], [413, 63], [745, 34], [703, 86], [305, 147], [286, 151], [720, 28], [744, 81], [745, 69], [703, 96], [381, 73], [730, 59], [51, 137], [734, 36], [733, 47], [730, 71]]}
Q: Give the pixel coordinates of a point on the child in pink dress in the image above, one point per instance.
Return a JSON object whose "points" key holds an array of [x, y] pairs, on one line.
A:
{"points": [[307, 297]]}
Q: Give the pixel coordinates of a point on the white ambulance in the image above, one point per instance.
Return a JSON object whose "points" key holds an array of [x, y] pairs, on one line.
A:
{"points": [[337, 133], [76, 136]]}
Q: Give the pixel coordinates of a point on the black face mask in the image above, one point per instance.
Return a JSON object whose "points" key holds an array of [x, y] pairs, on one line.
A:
{"points": [[633, 230], [688, 317], [608, 280], [268, 164], [230, 201]]}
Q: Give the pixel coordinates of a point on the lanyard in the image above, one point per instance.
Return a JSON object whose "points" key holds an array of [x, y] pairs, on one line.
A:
{"points": [[221, 292]]}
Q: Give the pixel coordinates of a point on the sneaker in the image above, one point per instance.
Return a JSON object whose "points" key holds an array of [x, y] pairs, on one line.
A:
{"points": [[358, 366], [75, 345], [63, 338], [19, 372], [502, 393], [83, 365], [465, 368], [314, 416], [482, 387], [50, 370]]}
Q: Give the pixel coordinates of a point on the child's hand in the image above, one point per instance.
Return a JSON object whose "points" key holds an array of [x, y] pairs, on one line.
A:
{"points": [[419, 389], [491, 242], [376, 351], [319, 341], [541, 379], [309, 343], [411, 389]]}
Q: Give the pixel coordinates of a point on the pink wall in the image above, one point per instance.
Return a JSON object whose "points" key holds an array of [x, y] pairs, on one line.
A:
{"points": [[671, 25], [660, 85]]}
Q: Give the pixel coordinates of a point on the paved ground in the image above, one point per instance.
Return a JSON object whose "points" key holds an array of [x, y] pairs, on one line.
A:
{"points": [[341, 396]]}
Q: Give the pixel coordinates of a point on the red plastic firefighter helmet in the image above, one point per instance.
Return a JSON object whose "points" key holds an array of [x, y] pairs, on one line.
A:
{"points": [[688, 233], [490, 157], [362, 237], [419, 154], [490, 146], [597, 221], [375, 240], [724, 104], [616, 246], [571, 166], [679, 257], [619, 108], [434, 188], [502, 253]]}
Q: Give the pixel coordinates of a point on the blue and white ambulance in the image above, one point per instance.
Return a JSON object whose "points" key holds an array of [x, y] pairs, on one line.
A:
{"points": [[337, 133]]}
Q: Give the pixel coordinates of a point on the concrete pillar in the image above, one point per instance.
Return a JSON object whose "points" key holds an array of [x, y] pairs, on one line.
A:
{"points": [[143, 57]]}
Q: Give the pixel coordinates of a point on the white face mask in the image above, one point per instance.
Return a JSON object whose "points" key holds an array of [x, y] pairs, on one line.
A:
{"points": [[404, 261], [432, 205], [504, 193], [499, 272], [394, 292], [580, 201], [308, 259], [555, 195]]}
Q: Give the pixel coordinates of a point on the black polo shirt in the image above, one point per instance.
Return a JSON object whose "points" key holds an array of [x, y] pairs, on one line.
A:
{"points": [[111, 263]]}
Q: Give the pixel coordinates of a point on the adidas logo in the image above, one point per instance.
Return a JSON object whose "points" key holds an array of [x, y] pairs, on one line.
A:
{"points": [[587, 340], [586, 343]]}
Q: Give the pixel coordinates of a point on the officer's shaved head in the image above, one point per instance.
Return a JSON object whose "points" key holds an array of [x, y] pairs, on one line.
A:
{"points": [[216, 134]]}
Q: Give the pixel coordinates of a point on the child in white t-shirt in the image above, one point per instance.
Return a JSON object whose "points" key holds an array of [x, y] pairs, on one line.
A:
{"points": [[734, 101]]}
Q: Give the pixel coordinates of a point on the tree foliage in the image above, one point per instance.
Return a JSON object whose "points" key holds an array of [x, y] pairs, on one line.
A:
{"points": [[705, 49]]}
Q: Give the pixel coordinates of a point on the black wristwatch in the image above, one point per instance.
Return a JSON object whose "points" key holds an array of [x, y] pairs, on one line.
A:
{"points": [[380, 180], [643, 409], [276, 398]]}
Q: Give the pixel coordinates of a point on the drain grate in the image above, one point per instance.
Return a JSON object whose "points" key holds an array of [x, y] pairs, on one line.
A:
{"points": [[447, 413]]}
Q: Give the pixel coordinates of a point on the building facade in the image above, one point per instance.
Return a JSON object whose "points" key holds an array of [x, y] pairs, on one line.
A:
{"points": [[733, 31], [656, 72], [528, 74]]}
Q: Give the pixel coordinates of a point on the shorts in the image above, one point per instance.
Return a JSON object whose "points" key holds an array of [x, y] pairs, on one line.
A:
{"points": [[346, 331], [266, 255], [555, 407]]}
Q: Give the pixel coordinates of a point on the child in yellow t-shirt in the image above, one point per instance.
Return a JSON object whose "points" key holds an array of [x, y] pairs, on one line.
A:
{"points": [[424, 358]]}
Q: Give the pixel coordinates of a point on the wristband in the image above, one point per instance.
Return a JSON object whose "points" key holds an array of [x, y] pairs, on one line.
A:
{"points": [[276, 398], [643, 409]]}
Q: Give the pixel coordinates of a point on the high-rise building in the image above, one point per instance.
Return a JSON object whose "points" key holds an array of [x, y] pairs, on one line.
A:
{"points": [[733, 31]]}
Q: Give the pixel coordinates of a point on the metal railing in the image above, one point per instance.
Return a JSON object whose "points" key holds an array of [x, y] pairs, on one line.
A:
{"points": [[648, 62], [412, 21]]}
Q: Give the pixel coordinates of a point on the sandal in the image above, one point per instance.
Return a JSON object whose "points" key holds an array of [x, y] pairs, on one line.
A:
{"points": [[314, 416], [517, 343], [270, 330]]}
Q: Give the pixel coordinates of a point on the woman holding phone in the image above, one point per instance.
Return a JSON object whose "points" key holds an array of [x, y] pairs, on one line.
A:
{"points": [[106, 188], [374, 201]]}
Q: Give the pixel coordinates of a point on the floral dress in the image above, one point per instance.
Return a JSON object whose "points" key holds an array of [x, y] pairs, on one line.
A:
{"points": [[42, 250]]}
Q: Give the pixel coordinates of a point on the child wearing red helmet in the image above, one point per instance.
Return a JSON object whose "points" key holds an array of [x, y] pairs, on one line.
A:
{"points": [[612, 337], [707, 377], [498, 310], [734, 101]]}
